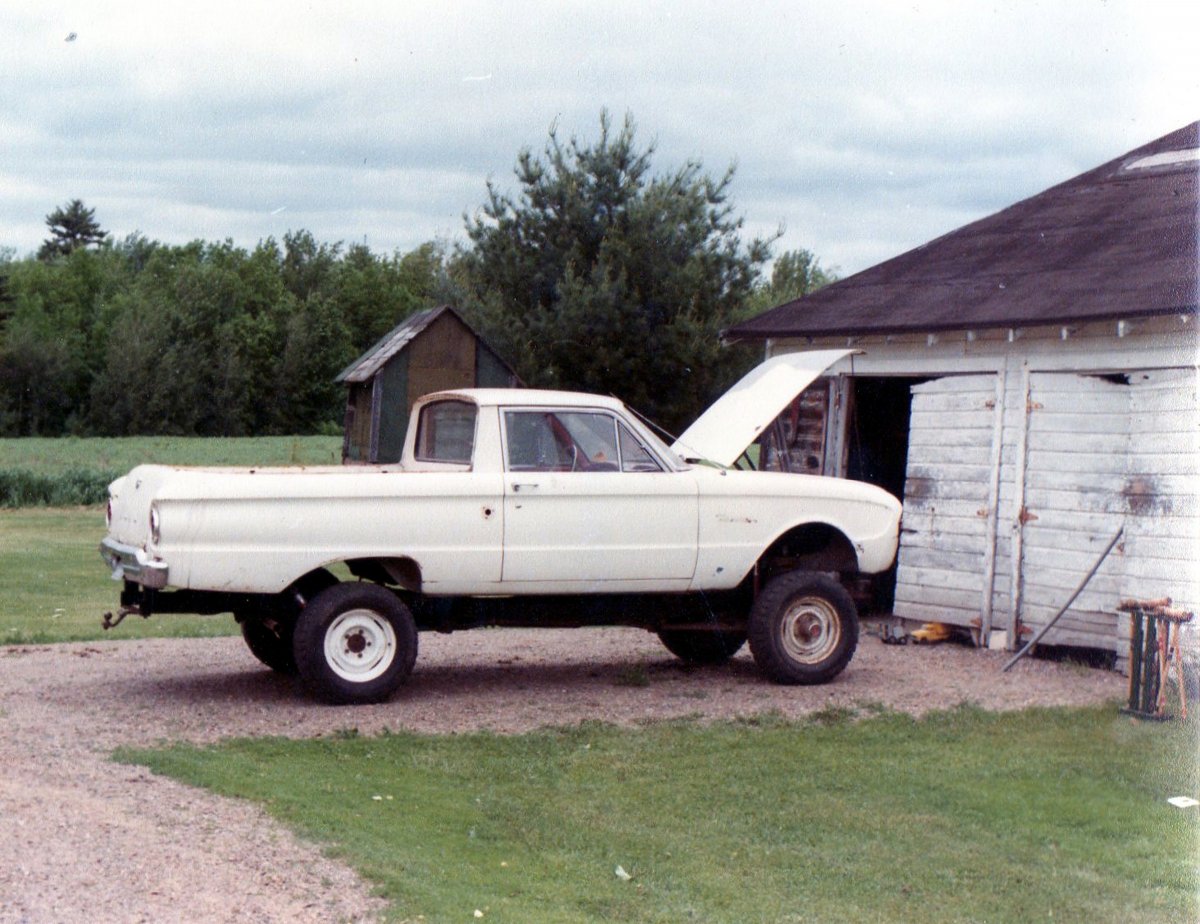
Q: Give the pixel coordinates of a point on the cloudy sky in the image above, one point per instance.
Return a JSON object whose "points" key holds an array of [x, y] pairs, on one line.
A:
{"points": [[862, 128]]}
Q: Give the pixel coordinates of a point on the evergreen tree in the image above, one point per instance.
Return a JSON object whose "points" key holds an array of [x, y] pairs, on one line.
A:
{"points": [[71, 226], [602, 276]]}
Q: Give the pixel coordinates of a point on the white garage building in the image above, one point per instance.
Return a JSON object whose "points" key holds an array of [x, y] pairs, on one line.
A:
{"points": [[1028, 385]]}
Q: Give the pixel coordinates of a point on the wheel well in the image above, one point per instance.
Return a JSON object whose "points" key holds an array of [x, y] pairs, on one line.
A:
{"points": [[811, 547], [403, 572]]}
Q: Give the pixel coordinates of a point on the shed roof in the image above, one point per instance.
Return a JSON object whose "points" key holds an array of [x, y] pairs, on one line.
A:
{"points": [[367, 365], [1118, 241]]}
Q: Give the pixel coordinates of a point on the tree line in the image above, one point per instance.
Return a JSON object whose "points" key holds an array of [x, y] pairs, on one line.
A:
{"points": [[598, 274]]}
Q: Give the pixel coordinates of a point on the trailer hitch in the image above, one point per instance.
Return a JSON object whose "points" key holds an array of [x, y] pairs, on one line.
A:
{"points": [[111, 622]]}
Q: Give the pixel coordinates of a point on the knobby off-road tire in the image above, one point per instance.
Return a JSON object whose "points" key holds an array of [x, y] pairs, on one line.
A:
{"points": [[803, 628], [702, 646], [355, 643], [269, 625]]}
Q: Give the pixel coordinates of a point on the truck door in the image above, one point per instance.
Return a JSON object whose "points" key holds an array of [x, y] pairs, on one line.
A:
{"points": [[585, 501]]}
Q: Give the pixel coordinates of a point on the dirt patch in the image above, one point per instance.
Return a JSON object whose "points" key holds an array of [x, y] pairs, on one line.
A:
{"points": [[84, 839]]}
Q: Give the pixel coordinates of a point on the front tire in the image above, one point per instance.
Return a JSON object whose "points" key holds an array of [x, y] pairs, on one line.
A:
{"points": [[803, 628], [355, 643]]}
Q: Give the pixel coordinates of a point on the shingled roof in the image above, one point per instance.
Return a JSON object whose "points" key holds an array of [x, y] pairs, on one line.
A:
{"points": [[367, 365], [1116, 242]]}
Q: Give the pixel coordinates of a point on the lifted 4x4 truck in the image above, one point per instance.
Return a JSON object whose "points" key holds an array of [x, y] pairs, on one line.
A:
{"points": [[516, 507]]}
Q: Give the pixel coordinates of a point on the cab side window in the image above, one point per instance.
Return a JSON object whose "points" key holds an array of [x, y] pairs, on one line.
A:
{"points": [[573, 441]]}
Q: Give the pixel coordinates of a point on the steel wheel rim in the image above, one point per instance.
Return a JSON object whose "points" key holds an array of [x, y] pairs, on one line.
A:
{"points": [[360, 645], [810, 629]]}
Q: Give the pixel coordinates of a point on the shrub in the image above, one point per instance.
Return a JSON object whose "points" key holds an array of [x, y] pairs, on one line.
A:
{"points": [[73, 487]]}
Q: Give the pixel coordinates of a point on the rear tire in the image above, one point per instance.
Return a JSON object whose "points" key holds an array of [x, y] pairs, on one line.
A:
{"points": [[803, 628], [269, 624], [355, 643], [702, 646]]}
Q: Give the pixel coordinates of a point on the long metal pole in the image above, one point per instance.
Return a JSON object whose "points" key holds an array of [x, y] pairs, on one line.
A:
{"points": [[1066, 606]]}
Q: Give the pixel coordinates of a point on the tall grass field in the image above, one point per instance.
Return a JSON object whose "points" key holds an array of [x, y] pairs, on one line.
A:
{"points": [[53, 585], [76, 471]]}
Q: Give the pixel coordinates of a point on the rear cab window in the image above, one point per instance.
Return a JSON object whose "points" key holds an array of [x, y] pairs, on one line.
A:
{"points": [[446, 432]]}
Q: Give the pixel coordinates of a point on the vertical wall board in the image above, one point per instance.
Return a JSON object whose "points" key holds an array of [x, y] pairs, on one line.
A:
{"points": [[356, 446], [391, 415], [1072, 511], [1162, 492], [441, 357], [943, 573], [490, 371]]}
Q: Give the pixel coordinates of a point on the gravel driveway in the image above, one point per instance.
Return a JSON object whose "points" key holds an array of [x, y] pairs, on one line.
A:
{"points": [[84, 839]]}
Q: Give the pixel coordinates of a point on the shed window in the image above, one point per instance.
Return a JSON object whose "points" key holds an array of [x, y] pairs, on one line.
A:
{"points": [[446, 432]]}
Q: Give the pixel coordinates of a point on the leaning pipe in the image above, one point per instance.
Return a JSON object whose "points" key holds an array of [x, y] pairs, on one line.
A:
{"points": [[1066, 606]]}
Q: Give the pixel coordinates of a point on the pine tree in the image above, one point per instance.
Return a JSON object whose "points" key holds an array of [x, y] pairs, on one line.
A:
{"points": [[71, 226]]}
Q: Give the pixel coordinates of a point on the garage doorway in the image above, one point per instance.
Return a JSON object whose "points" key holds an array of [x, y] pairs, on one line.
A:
{"points": [[876, 451]]}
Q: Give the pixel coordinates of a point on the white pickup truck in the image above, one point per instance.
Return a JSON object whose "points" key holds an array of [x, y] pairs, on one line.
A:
{"points": [[515, 507]]}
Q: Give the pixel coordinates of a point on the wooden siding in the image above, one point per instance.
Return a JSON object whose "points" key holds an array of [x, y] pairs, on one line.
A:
{"points": [[1073, 444], [942, 572], [1077, 426], [1162, 491]]}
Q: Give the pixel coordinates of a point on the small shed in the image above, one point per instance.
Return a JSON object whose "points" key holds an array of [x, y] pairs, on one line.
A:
{"points": [[429, 351], [1028, 386]]}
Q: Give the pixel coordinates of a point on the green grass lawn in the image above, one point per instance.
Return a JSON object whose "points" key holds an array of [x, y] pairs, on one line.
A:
{"points": [[54, 587], [1048, 815]]}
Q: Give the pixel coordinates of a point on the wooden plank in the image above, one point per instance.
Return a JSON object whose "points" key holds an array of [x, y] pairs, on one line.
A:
{"points": [[966, 600], [949, 507], [1074, 558], [968, 555], [938, 419], [940, 578], [977, 400], [953, 471], [932, 454], [1154, 419], [1018, 504], [1066, 479], [1053, 588], [932, 612], [1048, 504], [978, 437], [1066, 459], [935, 524], [1103, 627], [931, 488], [1150, 462], [954, 385], [1097, 424]]}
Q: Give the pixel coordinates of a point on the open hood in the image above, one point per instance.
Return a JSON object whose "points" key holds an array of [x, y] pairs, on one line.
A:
{"points": [[734, 421]]}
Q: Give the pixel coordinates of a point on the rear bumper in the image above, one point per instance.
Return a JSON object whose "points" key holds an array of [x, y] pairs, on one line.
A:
{"points": [[130, 563]]}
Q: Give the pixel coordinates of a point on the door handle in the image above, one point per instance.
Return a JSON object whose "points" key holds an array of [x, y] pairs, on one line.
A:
{"points": [[518, 485]]}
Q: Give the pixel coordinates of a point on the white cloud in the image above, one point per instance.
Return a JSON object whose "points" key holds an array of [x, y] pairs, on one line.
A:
{"points": [[866, 128]]}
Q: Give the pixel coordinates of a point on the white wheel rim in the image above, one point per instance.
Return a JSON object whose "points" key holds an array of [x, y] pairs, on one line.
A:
{"points": [[360, 645], [810, 629]]}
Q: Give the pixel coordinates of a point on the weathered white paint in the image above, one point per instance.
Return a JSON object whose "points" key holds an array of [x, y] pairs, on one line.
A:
{"points": [[1084, 455], [484, 527], [948, 511]]}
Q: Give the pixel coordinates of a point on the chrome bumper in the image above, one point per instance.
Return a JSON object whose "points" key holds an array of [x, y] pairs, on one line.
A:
{"points": [[130, 563]]}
